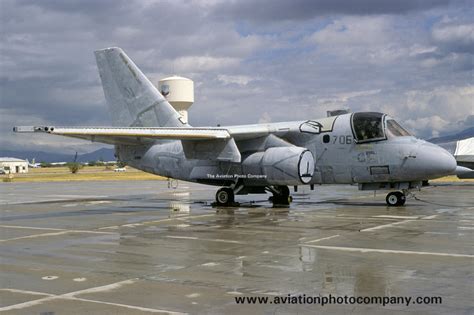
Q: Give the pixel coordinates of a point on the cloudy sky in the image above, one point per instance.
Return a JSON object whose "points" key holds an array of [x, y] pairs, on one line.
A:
{"points": [[251, 61]]}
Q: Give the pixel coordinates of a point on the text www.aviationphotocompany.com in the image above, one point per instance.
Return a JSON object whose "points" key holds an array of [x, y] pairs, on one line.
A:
{"points": [[340, 300]]}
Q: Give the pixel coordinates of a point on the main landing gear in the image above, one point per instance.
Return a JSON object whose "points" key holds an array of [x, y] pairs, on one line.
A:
{"points": [[281, 195], [225, 196], [396, 199]]}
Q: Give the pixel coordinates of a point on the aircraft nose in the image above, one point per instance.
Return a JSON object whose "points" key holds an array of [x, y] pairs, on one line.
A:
{"points": [[447, 163], [435, 161]]}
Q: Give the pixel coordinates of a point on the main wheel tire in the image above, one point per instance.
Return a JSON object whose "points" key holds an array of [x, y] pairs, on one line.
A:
{"points": [[225, 196], [395, 199], [284, 190], [402, 199]]}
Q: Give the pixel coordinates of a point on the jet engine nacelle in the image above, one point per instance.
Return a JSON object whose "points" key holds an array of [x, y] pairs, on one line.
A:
{"points": [[281, 165]]}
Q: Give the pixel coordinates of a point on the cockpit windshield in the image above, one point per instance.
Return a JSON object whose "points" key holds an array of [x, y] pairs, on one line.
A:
{"points": [[368, 126], [395, 129]]}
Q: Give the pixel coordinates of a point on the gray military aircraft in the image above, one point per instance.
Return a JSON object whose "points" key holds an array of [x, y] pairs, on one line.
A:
{"points": [[366, 148]]}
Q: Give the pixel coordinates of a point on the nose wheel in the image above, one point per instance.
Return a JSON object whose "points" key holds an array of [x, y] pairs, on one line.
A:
{"points": [[395, 199]]}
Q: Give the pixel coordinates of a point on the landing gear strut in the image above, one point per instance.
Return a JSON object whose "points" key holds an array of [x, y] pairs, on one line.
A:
{"points": [[395, 199]]}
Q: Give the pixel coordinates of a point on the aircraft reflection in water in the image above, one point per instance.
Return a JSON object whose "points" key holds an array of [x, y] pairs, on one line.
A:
{"points": [[366, 148]]}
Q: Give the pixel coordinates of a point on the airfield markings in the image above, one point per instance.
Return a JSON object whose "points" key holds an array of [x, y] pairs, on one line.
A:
{"points": [[205, 239], [59, 232], [386, 251], [334, 232], [396, 216], [72, 296], [30, 227], [322, 239], [378, 227], [182, 217]]}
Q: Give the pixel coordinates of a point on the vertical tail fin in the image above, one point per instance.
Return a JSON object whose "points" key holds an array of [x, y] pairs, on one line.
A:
{"points": [[132, 99]]}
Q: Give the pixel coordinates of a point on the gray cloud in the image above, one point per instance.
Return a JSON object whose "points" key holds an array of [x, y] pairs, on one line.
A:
{"points": [[415, 66], [277, 10], [454, 37]]}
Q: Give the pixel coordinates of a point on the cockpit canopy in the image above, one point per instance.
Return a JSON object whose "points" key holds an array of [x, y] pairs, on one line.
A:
{"points": [[394, 129], [372, 126]]}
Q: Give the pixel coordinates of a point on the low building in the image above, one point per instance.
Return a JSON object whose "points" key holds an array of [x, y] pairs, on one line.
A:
{"points": [[10, 165]]}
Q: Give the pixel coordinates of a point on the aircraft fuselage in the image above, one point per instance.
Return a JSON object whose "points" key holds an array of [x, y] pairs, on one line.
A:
{"points": [[338, 157]]}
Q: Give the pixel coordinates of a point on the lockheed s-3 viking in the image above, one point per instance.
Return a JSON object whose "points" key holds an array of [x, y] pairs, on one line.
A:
{"points": [[366, 148]]}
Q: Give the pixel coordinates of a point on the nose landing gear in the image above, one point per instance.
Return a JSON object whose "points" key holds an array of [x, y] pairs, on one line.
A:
{"points": [[395, 199]]}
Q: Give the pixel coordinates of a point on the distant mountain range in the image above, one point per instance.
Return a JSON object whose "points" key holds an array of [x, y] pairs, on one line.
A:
{"points": [[103, 154], [467, 133]]}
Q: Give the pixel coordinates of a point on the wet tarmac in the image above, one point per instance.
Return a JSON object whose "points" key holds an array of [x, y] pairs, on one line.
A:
{"points": [[142, 248]]}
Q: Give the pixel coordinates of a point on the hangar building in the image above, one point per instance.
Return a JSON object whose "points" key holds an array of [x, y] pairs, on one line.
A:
{"points": [[10, 165], [463, 151]]}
